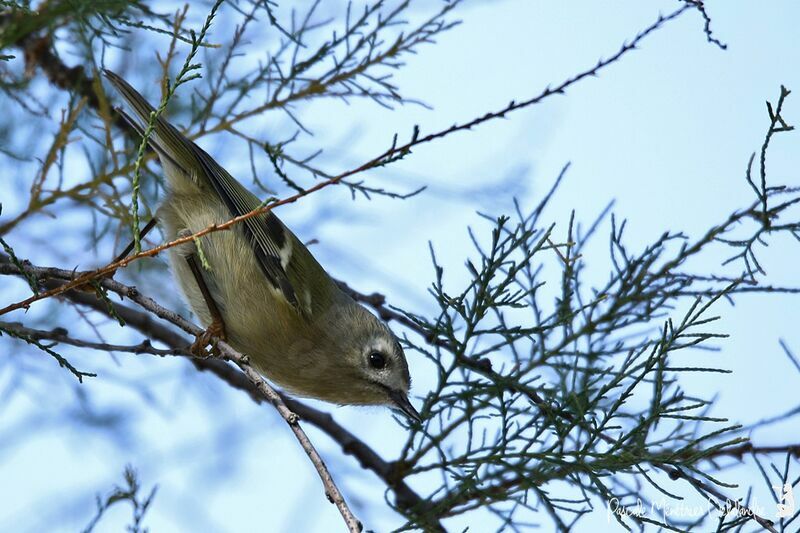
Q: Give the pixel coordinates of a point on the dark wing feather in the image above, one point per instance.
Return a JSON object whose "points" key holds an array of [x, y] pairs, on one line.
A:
{"points": [[271, 239]]}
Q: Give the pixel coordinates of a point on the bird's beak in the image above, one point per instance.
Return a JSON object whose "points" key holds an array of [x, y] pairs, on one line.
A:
{"points": [[401, 403]]}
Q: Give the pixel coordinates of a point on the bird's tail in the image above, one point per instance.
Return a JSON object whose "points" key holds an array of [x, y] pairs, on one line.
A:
{"points": [[171, 145]]}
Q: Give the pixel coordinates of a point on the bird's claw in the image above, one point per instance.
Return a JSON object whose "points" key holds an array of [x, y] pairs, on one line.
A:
{"points": [[214, 332]]}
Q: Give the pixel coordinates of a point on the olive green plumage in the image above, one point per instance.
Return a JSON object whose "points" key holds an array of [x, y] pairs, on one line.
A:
{"points": [[278, 304]]}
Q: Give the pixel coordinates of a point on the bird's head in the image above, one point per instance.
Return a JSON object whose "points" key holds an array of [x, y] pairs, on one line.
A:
{"points": [[372, 367]]}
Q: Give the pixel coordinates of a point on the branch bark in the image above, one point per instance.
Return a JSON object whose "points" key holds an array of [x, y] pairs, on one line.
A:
{"points": [[263, 388], [406, 499]]}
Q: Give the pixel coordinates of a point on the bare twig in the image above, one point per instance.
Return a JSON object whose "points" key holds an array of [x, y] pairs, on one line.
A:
{"points": [[700, 6], [332, 492], [61, 336], [405, 497]]}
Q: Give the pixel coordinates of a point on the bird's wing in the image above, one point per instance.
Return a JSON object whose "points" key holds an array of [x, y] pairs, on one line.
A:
{"points": [[271, 241]]}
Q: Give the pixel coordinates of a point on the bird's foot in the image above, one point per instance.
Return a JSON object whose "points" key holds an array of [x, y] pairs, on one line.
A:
{"points": [[209, 338]]}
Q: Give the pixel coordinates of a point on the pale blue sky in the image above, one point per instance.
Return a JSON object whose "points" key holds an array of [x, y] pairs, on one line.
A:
{"points": [[666, 133]]}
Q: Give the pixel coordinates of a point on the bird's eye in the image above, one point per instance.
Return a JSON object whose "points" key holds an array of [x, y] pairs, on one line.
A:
{"points": [[377, 360]]}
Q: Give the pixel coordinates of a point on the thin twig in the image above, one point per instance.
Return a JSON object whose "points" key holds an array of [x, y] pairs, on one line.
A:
{"points": [[332, 492]]}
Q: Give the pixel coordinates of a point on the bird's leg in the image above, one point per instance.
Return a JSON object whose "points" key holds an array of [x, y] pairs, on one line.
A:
{"points": [[217, 326], [128, 249]]}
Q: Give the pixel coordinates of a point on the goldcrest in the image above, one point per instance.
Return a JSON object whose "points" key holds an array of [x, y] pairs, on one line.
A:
{"points": [[277, 304]]}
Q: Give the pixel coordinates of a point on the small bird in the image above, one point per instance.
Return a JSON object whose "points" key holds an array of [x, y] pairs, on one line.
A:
{"points": [[260, 288]]}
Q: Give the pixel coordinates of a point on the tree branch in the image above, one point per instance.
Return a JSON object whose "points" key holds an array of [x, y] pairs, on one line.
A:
{"points": [[228, 353], [406, 498]]}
